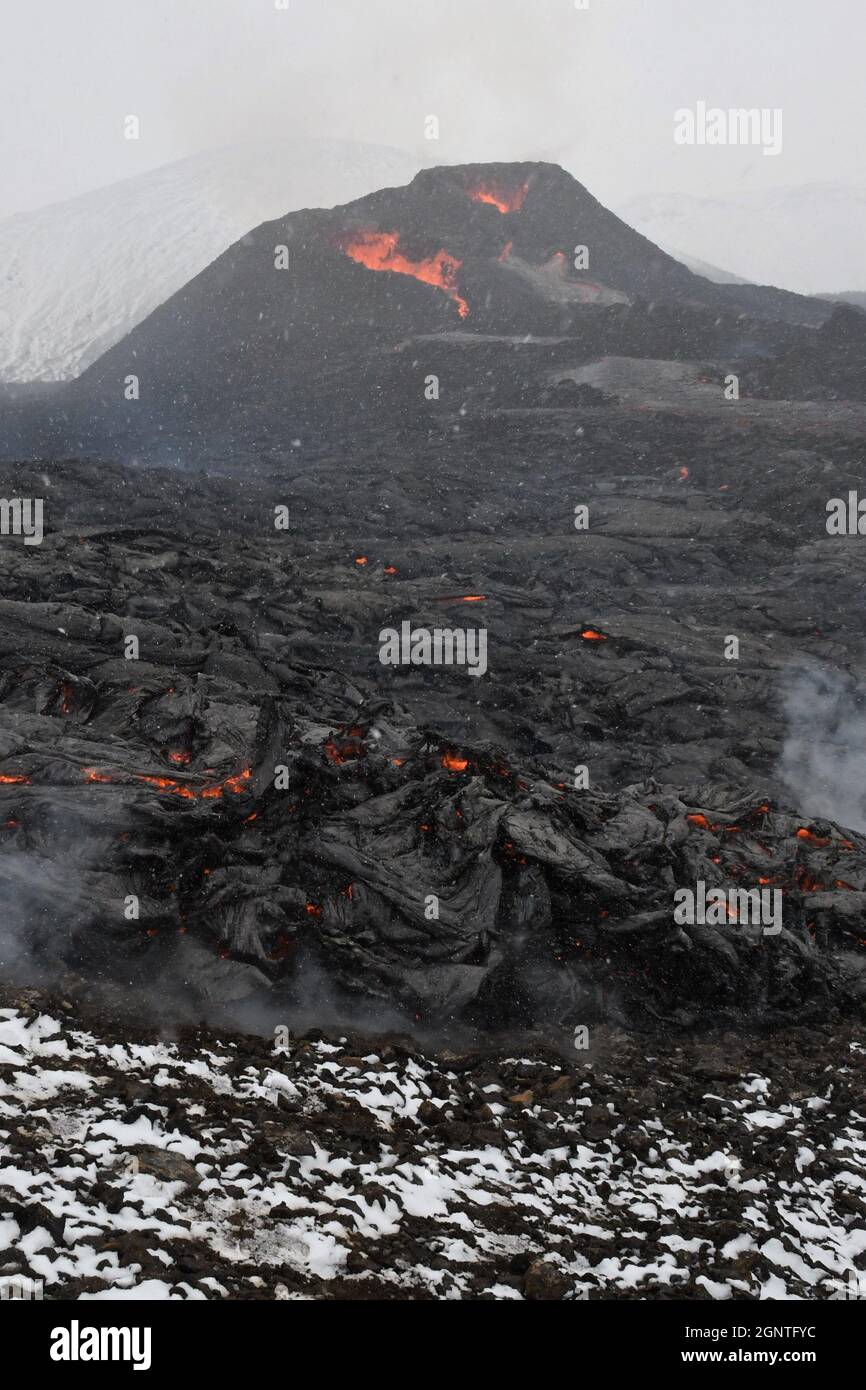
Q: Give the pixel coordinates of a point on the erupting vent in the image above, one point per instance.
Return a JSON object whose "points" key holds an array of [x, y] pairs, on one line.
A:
{"points": [[504, 199], [381, 251]]}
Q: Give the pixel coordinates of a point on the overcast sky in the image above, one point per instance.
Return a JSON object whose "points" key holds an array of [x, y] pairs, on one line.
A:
{"points": [[595, 90]]}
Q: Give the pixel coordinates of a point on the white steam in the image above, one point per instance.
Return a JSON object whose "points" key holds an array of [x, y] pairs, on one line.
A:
{"points": [[824, 756]]}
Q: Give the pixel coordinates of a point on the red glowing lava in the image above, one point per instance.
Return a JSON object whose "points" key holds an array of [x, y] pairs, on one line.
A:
{"points": [[345, 745], [454, 763], [381, 251], [819, 840], [236, 784], [503, 199], [460, 598], [590, 635]]}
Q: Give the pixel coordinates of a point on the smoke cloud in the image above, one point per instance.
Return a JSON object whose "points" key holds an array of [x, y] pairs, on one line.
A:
{"points": [[824, 757]]}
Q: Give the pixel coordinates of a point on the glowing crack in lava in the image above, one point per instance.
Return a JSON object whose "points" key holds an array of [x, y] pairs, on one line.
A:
{"points": [[460, 598], [236, 784], [343, 746], [504, 199], [820, 840], [381, 251], [231, 784]]}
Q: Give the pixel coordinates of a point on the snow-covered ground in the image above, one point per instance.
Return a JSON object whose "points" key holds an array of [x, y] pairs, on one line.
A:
{"points": [[75, 277], [224, 1167]]}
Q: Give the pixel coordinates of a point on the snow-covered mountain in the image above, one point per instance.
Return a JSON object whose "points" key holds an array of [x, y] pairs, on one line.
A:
{"points": [[709, 272], [803, 238], [75, 277]]}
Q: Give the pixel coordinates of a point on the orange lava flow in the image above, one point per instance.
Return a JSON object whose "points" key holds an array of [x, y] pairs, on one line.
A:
{"points": [[381, 251], [590, 635], [460, 598], [453, 763], [165, 784], [503, 199], [235, 784], [819, 840], [14, 780]]}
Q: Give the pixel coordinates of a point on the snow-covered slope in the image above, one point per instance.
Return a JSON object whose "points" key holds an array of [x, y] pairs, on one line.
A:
{"points": [[371, 1169], [709, 272], [75, 277], [800, 239]]}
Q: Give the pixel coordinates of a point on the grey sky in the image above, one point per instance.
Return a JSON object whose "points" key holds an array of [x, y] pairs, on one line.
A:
{"points": [[595, 90]]}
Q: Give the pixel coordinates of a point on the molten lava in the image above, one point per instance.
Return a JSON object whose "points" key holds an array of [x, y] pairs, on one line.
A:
{"points": [[819, 840], [590, 635], [381, 251], [346, 745], [460, 598], [503, 199], [14, 780], [453, 763], [234, 784], [805, 882]]}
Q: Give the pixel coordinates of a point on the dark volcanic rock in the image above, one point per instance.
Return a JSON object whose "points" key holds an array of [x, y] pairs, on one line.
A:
{"points": [[544, 1282], [149, 837], [828, 364]]}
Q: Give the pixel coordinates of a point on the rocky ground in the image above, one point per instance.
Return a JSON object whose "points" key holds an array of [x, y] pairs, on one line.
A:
{"points": [[136, 1164], [156, 778]]}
